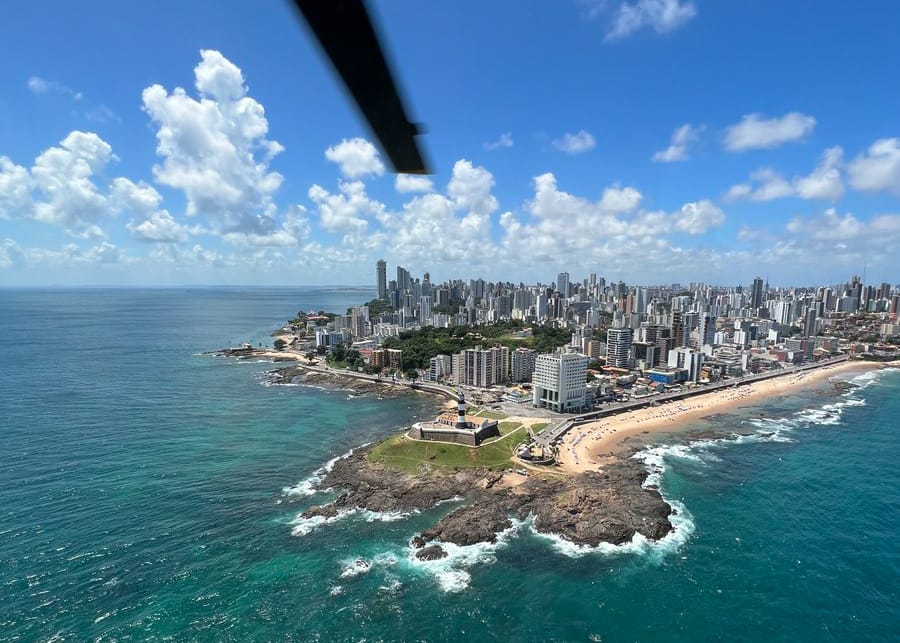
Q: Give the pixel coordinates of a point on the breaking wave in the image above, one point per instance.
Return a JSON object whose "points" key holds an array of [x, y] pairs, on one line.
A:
{"points": [[450, 572], [310, 486]]}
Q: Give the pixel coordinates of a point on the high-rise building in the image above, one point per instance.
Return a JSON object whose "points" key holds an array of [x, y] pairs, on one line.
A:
{"points": [[618, 346], [562, 284], [559, 381], [756, 293], [688, 359], [381, 279], [484, 366], [438, 367], [425, 310], [678, 329], [402, 279], [523, 360]]}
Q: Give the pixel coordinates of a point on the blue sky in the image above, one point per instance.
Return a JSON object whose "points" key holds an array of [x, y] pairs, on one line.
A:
{"points": [[645, 140]]}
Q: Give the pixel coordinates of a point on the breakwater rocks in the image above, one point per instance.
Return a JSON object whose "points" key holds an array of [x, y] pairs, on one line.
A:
{"points": [[587, 509], [302, 375]]}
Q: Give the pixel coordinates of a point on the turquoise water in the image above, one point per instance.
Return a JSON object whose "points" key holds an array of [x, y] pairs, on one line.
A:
{"points": [[148, 492]]}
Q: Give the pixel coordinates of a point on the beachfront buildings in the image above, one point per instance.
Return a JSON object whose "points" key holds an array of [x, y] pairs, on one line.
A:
{"points": [[559, 381], [618, 347]]}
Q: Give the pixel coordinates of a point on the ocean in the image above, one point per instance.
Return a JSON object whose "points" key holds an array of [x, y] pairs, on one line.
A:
{"points": [[150, 492]]}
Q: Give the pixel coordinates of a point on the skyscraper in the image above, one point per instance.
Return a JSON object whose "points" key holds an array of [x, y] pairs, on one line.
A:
{"points": [[756, 293], [381, 279], [562, 283], [618, 346], [402, 279]]}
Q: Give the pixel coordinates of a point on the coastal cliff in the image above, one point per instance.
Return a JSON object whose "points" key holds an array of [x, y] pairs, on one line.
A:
{"points": [[588, 509]]}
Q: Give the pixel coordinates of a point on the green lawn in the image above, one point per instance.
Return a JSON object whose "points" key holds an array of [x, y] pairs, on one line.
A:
{"points": [[490, 415], [399, 452], [537, 428]]}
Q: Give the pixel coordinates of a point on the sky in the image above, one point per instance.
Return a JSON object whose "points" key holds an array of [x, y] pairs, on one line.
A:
{"points": [[652, 141]]}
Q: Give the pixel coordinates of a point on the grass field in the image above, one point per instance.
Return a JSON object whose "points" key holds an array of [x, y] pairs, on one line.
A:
{"points": [[399, 452], [490, 415]]}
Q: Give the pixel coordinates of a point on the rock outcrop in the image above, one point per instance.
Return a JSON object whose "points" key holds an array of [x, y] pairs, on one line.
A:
{"points": [[590, 508]]}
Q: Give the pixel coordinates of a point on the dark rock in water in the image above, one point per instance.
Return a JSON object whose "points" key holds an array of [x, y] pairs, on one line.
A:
{"points": [[477, 523], [301, 375], [590, 508], [432, 552]]}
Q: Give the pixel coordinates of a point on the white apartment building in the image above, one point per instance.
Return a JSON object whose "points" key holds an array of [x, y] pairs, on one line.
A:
{"points": [[559, 381], [618, 346]]}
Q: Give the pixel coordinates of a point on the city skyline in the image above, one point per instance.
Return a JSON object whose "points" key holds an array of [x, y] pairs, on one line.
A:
{"points": [[232, 157]]}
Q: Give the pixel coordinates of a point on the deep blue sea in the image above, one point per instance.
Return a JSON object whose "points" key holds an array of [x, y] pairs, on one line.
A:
{"points": [[150, 492]]}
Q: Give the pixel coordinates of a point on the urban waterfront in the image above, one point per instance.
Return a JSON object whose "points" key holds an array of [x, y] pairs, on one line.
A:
{"points": [[146, 493]]}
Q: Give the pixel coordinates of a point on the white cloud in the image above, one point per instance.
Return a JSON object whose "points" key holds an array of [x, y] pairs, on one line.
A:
{"points": [[678, 147], [356, 157], [348, 211], [620, 200], [149, 223], [698, 217], [38, 85], [663, 16], [470, 188], [505, 140], [411, 183], [757, 132], [878, 169], [214, 149], [63, 177], [15, 188], [823, 183], [583, 141]]}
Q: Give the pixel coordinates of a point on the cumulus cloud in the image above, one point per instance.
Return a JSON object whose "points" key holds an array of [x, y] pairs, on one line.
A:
{"points": [[405, 183], [662, 16], [214, 148], [682, 138], [878, 168], [356, 157], [698, 217], [620, 200], [347, 211], [451, 227], [767, 185], [15, 188], [149, 222], [470, 188], [62, 176], [505, 140], [755, 131], [582, 141]]}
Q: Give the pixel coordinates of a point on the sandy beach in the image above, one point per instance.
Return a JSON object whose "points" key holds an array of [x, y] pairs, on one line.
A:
{"points": [[586, 447]]}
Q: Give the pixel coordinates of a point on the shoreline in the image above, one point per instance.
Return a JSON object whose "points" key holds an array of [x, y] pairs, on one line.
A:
{"points": [[589, 446]]}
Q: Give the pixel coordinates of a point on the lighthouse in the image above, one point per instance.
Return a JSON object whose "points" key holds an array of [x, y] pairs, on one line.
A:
{"points": [[461, 412]]}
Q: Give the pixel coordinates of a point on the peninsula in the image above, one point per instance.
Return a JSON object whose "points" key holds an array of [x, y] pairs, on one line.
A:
{"points": [[561, 380]]}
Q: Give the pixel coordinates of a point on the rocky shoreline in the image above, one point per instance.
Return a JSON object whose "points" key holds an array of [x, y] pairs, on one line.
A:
{"points": [[302, 375], [588, 509]]}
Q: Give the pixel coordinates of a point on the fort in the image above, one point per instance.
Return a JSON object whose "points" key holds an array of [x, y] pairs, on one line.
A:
{"points": [[459, 429]]}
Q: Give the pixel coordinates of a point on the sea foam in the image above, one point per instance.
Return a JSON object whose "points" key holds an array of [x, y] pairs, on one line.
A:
{"points": [[303, 526], [450, 572], [309, 486]]}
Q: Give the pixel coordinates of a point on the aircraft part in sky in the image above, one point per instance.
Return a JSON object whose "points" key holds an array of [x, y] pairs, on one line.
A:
{"points": [[346, 34]]}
